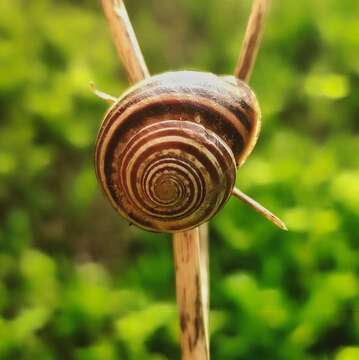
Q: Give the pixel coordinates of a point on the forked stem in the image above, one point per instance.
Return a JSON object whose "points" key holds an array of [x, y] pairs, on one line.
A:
{"points": [[252, 40]]}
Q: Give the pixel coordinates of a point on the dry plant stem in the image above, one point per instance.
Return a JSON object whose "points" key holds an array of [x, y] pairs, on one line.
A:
{"points": [[259, 208], [204, 258], [102, 95], [125, 40], [190, 295], [252, 39], [191, 254]]}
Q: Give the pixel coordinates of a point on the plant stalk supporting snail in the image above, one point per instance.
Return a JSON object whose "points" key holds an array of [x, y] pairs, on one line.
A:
{"points": [[190, 251]]}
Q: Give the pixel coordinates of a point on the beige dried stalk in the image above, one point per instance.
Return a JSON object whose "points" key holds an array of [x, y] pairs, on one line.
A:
{"points": [[252, 39], [125, 40], [190, 253]]}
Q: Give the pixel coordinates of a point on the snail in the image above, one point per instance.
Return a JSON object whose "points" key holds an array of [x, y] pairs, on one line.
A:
{"points": [[168, 149]]}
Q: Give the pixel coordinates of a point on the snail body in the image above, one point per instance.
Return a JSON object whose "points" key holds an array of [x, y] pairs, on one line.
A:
{"points": [[167, 150]]}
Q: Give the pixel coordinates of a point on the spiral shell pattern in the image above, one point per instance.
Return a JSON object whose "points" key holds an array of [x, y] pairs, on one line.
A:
{"points": [[167, 151]]}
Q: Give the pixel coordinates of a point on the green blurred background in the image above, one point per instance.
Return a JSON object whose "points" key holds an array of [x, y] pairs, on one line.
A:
{"points": [[77, 283]]}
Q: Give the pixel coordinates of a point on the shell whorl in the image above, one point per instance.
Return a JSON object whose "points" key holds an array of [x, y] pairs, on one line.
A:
{"points": [[167, 150]]}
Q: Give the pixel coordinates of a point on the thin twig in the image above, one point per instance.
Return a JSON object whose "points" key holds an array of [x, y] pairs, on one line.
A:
{"points": [[102, 95], [191, 254], [125, 40], [259, 208], [252, 39], [189, 289]]}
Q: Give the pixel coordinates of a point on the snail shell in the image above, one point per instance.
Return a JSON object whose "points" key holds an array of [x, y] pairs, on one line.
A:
{"points": [[168, 149]]}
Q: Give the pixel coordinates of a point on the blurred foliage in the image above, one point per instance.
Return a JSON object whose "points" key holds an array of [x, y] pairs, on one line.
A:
{"points": [[77, 283]]}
